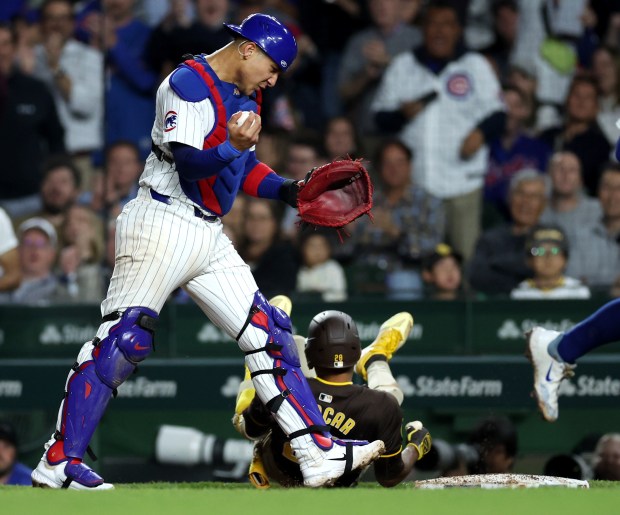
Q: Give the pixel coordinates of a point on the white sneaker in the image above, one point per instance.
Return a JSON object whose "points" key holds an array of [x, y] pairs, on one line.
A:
{"points": [[82, 477], [323, 468], [548, 372]]}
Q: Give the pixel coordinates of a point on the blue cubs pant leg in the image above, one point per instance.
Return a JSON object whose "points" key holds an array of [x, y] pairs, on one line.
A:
{"points": [[271, 356], [598, 329], [102, 366]]}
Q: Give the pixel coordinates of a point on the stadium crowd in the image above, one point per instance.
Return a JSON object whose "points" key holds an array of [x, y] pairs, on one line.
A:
{"points": [[489, 127]]}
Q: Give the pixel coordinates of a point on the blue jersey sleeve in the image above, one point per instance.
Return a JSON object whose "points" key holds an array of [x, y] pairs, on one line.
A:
{"points": [[194, 164], [259, 180]]}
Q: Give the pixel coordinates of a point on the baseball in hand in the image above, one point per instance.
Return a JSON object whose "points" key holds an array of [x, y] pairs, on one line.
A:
{"points": [[243, 118], [416, 424]]}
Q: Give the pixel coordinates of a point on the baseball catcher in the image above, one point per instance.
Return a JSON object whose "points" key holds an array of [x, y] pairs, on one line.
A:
{"points": [[333, 352]]}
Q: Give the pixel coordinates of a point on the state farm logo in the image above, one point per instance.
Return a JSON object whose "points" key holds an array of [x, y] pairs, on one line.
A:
{"points": [[590, 386], [515, 330], [66, 334], [230, 388], [11, 388], [144, 388], [368, 332], [210, 334], [447, 386]]}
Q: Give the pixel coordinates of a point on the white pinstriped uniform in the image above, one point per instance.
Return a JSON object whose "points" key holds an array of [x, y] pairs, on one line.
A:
{"points": [[194, 121], [160, 247]]}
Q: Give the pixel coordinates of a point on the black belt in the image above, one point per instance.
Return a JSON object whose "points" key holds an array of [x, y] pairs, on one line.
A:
{"points": [[159, 153], [165, 199]]}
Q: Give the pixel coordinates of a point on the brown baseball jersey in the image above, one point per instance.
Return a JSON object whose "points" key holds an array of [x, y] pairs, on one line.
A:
{"points": [[351, 411]]}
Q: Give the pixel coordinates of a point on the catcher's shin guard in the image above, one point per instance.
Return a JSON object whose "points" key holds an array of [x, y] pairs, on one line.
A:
{"points": [[102, 366], [271, 355]]}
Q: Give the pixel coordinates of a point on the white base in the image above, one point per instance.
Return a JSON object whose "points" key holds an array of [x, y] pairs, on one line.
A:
{"points": [[500, 481]]}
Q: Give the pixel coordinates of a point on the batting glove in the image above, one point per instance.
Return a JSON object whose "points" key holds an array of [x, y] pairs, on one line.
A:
{"points": [[419, 438]]}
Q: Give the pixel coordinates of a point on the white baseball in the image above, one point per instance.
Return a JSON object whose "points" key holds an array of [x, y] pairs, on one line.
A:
{"points": [[244, 117], [416, 424]]}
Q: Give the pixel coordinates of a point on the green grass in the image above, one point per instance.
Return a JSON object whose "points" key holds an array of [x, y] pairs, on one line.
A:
{"points": [[218, 498]]}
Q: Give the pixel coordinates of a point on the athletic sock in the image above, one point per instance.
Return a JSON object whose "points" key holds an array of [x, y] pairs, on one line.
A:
{"points": [[552, 348], [600, 328]]}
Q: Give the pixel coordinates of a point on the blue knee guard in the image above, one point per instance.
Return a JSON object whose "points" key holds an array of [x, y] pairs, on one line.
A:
{"points": [[128, 342], [90, 388], [288, 376]]}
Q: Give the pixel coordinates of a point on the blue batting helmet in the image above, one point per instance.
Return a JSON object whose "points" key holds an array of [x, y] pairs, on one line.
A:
{"points": [[270, 35]]}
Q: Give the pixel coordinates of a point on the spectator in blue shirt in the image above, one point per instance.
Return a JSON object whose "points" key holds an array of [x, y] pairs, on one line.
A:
{"points": [[512, 151], [11, 471]]}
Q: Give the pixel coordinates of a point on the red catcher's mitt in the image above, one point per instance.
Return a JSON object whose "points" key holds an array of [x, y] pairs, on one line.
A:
{"points": [[335, 194]]}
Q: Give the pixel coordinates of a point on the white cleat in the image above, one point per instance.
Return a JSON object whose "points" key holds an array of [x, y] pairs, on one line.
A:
{"points": [[323, 468], [82, 477], [548, 372]]}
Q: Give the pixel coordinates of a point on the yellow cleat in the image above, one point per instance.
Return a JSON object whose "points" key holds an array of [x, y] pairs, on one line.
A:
{"points": [[392, 336], [257, 474], [244, 400], [282, 302], [245, 394]]}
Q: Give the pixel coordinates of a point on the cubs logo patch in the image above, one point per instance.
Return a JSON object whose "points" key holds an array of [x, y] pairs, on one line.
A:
{"points": [[170, 121], [459, 85]]}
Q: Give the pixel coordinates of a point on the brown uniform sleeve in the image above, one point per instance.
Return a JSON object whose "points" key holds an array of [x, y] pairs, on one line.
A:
{"points": [[390, 426], [390, 464]]}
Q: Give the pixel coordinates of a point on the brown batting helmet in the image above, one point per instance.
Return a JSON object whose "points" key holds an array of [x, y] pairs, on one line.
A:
{"points": [[333, 341]]}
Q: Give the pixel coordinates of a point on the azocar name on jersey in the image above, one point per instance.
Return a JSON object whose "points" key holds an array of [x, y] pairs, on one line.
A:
{"points": [[337, 419]]}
